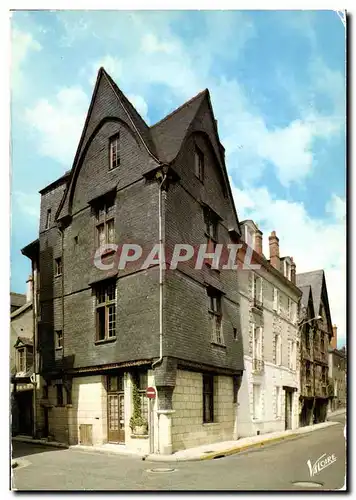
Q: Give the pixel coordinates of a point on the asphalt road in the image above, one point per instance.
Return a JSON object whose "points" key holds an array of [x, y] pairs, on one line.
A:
{"points": [[274, 467]]}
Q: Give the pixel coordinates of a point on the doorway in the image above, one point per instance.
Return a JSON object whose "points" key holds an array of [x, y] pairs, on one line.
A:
{"points": [[288, 408], [116, 409]]}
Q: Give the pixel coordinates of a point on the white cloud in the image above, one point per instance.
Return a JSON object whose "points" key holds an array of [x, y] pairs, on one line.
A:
{"points": [[58, 124], [29, 203], [21, 45], [313, 243], [336, 207], [111, 64]]}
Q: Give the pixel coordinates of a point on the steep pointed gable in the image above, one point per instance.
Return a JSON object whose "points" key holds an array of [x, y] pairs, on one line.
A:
{"points": [[108, 98], [170, 132]]}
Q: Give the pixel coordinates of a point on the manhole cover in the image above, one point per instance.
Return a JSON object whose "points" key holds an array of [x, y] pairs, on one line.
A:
{"points": [[307, 484], [161, 469]]}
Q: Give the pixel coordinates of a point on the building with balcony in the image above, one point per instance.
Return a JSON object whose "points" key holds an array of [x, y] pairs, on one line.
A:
{"points": [[269, 297], [316, 332]]}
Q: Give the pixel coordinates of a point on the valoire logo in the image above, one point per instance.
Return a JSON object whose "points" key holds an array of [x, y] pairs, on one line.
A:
{"points": [[320, 464]]}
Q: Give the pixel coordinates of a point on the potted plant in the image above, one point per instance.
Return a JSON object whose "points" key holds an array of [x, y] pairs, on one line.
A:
{"points": [[138, 423]]}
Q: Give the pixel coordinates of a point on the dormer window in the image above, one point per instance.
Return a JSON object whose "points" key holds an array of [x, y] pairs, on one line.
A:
{"points": [[287, 269], [21, 359], [250, 237], [114, 152], [199, 164]]}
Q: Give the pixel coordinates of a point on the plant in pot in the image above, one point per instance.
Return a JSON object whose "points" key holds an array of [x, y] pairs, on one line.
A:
{"points": [[138, 423]]}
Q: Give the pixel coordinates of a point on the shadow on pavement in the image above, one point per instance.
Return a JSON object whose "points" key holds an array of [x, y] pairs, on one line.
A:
{"points": [[20, 450]]}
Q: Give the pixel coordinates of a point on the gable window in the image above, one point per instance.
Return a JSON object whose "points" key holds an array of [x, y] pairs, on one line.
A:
{"points": [[249, 237], [199, 164], [114, 152], [21, 359], [287, 269], [105, 223], [208, 398], [211, 229], [59, 267], [59, 339], [216, 316], [106, 311], [59, 391], [48, 219]]}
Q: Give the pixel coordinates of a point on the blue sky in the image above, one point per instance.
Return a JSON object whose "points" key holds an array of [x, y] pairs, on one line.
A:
{"points": [[277, 83]]}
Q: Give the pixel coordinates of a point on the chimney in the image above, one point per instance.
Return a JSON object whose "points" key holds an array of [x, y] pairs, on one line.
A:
{"points": [[333, 341], [258, 242], [29, 292], [293, 271], [274, 251]]}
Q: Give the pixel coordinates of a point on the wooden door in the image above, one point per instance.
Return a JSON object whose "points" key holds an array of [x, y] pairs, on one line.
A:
{"points": [[288, 409], [116, 410]]}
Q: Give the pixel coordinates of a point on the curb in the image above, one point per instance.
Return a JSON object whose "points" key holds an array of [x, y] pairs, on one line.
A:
{"points": [[232, 451]]}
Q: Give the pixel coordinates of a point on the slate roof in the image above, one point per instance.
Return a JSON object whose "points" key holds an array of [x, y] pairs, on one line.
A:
{"points": [[17, 299], [25, 340], [306, 290], [169, 133], [315, 280]]}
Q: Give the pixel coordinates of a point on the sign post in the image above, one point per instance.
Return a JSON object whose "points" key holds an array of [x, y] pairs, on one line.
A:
{"points": [[151, 395]]}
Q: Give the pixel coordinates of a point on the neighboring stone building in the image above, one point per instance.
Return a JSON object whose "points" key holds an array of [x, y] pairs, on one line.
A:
{"points": [[316, 332], [337, 374], [21, 363], [104, 336], [17, 300], [269, 395]]}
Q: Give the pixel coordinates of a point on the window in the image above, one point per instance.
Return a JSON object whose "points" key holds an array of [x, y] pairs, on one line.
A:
{"points": [[114, 152], [278, 347], [199, 164], [141, 381], [257, 291], [250, 237], [278, 402], [48, 219], [289, 308], [275, 299], [256, 347], [21, 358], [216, 316], [106, 311], [59, 389], [235, 333], [69, 395], [105, 224], [287, 269], [58, 264], [256, 396], [208, 398], [211, 229], [59, 339], [292, 357]]}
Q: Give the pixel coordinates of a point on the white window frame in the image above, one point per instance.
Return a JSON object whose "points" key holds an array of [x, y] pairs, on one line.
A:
{"points": [[250, 237], [114, 145], [257, 333]]}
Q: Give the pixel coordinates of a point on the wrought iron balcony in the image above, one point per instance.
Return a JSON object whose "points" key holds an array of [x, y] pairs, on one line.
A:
{"points": [[257, 365]]}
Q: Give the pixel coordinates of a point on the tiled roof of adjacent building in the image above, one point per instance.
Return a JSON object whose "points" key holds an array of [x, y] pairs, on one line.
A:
{"points": [[17, 299], [315, 280]]}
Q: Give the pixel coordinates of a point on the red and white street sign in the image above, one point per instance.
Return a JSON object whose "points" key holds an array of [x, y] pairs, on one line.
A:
{"points": [[151, 392]]}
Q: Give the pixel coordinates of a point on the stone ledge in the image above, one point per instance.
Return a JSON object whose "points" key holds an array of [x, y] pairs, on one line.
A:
{"points": [[136, 436]]}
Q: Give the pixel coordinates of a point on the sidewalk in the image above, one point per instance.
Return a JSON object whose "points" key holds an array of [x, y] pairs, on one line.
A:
{"points": [[331, 414], [223, 449], [44, 442]]}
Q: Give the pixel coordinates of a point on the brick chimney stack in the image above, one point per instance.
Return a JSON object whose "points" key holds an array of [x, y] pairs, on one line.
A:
{"points": [[274, 251], [333, 341], [258, 242], [293, 271], [29, 291]]}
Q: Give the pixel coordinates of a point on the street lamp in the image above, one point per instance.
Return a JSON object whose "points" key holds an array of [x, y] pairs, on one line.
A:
{"points": [[317, 318]]}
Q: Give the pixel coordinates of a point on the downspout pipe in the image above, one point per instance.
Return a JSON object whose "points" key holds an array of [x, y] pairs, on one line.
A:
{"points": [[159, 360]]}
